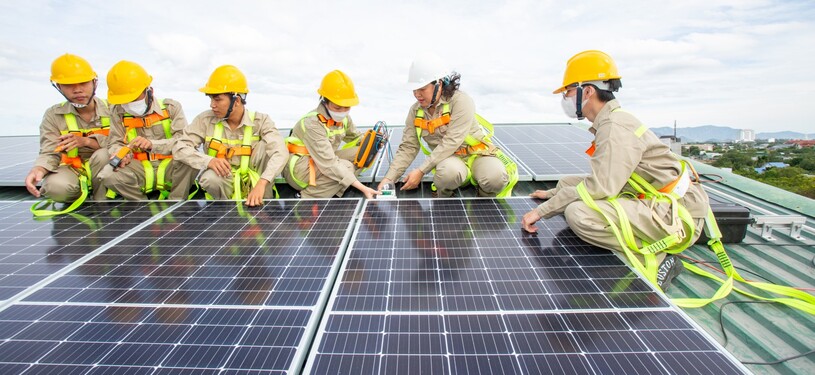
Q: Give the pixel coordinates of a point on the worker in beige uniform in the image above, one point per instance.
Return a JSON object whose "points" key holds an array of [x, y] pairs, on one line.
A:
{"points": [[459, 151], [319, 167], [243, 151], [639, 197], [73, 135], [148, 127]]}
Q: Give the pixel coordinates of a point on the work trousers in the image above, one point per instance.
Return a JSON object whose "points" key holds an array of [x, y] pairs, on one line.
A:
{"points": [[63, 184], [129, 181], [325, 187], [220, 188], [593, 228], [488, 172]]}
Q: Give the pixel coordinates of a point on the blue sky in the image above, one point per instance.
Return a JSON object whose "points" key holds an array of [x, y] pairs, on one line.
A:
{"points": [[740, 63]]}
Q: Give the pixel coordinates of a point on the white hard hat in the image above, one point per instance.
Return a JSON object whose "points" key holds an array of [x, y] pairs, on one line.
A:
{"points": [[426, 68]]}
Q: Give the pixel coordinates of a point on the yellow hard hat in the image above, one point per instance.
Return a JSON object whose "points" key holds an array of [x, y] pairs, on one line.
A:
{"points": [[126, 81], [339, 89], [586, 66], [69, 69], [226, 78]]}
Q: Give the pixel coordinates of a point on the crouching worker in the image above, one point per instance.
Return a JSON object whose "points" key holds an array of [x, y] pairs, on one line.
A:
{"points": [[73, 135], [243, 151], [639, 198], [144, 128], [319, 167], [460, 150]]}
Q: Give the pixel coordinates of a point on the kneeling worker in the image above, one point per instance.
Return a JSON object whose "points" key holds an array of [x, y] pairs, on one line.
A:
{"points": [[243, 149], [144, 128], [639, 198], [319, 167], [73, 135]]}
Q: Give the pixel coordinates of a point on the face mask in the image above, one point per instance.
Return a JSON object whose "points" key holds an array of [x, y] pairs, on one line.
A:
{"points": [[136, 108], [337, 116], [569, 105], [78, 105]]}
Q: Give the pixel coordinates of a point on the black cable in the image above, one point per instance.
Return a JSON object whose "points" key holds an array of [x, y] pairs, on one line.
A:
{"points": [[724, 334]]}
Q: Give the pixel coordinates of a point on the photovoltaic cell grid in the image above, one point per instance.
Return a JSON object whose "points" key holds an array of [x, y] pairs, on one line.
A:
{"points": [[454, 286], [208, 287], [549, 152], [396, 139], [18, 154], [33, 249]]}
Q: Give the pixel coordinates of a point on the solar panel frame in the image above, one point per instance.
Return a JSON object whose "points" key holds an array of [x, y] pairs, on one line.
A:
{"points": [[372, 335], [549, 151]]}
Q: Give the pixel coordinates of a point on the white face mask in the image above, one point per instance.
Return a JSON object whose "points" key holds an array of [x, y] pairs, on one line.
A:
{"points": [[337, 116], [569, 105], [76, 105], [136, 108]]}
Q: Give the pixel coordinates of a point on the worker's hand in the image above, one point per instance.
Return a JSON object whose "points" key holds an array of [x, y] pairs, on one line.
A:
{"points": [[124, 162], [221, 167], [141, 143], [382, 183], [529, 220], [413, 179], [68, 142], [34, 177], [255, 197], [369, 193], [540, 194]]}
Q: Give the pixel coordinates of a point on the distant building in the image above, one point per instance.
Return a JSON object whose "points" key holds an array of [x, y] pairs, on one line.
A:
{"points": [[674, 143], [771, 140], [766, 166], [801, 143], [747, 135], [709, 155]]}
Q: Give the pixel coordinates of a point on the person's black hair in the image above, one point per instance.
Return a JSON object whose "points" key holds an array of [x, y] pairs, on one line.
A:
{"points": [[608, 95], [450, 84]]}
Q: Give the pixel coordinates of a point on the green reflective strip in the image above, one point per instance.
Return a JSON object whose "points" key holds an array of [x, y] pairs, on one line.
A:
{"points": [[70, 121], [105, 121], [419, 136], [292, 162], [640, 131], [217, 134], [161, 172], [247, 142], [490, 130], [131, 134], [149, 176]]}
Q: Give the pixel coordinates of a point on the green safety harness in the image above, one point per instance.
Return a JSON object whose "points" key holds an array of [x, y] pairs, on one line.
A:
{"points": [[474, 148], [47, 207], [680, 232], [244, 178], [298, 149]]}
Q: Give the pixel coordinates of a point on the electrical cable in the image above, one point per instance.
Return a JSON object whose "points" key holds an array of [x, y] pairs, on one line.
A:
{"points": [[724, 334]]}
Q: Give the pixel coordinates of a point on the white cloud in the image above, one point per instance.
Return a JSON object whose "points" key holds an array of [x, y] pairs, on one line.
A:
{"points": [[736, 63]]}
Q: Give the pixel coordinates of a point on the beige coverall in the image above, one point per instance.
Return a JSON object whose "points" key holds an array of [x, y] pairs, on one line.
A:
{"points": [[62, 183], [451, 170], [334, 166], [129, 181], [618, 153], [268, 157]]}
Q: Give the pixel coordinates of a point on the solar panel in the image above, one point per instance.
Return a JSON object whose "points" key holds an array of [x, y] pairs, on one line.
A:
{"points": [[18, 154], [549, 152], [454, 286], [204, 287], [396, 139], [32, 249]]}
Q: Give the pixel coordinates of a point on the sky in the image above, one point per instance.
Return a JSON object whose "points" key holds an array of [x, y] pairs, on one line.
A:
{"points": [[746, 64]]}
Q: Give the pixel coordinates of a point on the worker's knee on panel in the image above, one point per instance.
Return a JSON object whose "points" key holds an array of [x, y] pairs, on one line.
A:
{"points": [[577, 215], [59, 188], [450, 174], [490, 175], [213, 184]]}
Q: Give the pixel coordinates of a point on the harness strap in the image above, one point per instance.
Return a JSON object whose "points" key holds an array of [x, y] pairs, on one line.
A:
{"points": [[41, 209]]}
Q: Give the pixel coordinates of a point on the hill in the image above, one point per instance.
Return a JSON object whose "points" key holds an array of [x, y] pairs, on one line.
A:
{"points": [[713, 133]]}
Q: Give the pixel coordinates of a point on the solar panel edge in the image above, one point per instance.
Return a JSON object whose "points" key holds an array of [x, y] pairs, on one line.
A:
{"points": [[301, 355]]}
